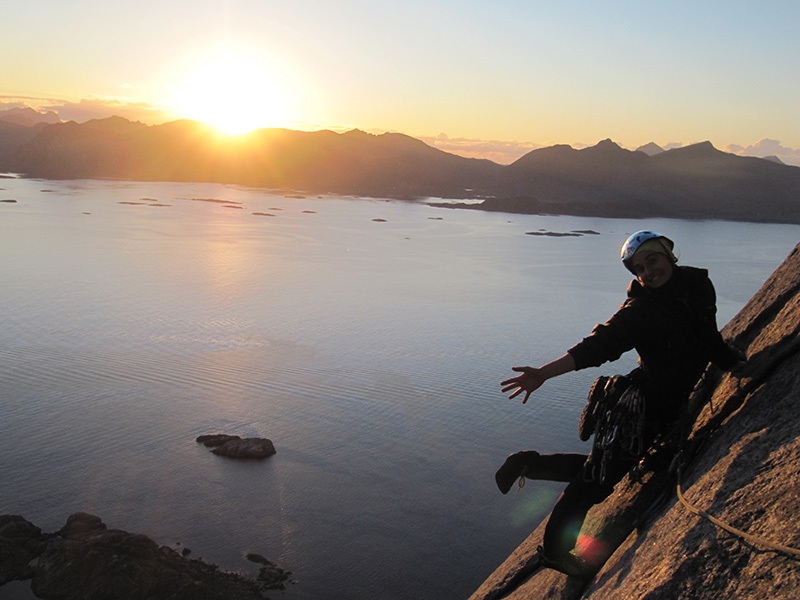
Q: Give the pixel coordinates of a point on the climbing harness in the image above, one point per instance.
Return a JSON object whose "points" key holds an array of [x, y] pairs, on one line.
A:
{"points": [[604, 393], [617, 418]]}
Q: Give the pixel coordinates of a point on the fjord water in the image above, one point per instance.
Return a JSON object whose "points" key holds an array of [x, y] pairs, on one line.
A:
{"points": [[366, 338]]}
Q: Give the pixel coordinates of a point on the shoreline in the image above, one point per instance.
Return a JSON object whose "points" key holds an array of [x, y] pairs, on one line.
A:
{"points": [[522, 205], [613, 214]]}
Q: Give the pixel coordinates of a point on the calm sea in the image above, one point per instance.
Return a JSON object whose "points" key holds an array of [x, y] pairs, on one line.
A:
{"points": [[365, 338]]}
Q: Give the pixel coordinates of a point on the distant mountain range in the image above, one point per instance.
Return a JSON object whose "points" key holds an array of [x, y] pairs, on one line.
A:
{"points": [[693, 182]]}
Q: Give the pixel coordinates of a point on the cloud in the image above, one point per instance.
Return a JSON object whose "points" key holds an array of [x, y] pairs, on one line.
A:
{"points": [[11, 105], [502, 152], [767, 147], [88, 109], [91, 108]]}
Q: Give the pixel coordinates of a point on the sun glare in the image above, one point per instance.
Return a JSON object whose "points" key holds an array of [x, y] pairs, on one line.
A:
{"points": [[233, 94]]}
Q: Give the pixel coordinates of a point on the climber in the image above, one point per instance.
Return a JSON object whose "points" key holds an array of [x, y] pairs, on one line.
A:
{"points": [[669, 318]]}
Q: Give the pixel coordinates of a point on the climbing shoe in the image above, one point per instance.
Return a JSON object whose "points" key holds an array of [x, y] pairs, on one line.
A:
{"points": [[514, 468]]}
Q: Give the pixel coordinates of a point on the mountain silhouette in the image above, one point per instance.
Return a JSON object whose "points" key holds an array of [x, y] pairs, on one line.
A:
{"points": [[357, 163], [693, 182], [651, 149], [697, 182]]}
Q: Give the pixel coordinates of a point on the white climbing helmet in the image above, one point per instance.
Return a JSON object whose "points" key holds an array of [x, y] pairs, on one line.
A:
{"points": [[634, 242]]}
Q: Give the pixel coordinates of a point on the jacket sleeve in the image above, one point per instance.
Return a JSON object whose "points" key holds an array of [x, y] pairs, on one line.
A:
{"points": [[722, 355], [608, 341]]}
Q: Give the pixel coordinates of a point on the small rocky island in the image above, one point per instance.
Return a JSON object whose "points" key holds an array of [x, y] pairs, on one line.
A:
{"points": [[235, 447]]}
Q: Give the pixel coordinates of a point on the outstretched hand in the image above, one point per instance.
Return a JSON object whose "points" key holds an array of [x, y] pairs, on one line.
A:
{"points": [[530, 380]]}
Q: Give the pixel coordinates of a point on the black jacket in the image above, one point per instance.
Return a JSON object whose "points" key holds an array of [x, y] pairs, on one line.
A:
{"points": [[673, 328]]}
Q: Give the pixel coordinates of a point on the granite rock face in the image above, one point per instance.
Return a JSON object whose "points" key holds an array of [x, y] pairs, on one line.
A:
{"points": [[744, 452]]}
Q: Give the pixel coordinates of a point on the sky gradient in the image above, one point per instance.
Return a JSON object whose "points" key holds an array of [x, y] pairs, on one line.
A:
{"points": [[503, 76]]}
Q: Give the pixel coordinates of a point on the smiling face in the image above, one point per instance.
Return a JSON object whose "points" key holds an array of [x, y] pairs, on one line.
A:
{"points": [[652, 269]]}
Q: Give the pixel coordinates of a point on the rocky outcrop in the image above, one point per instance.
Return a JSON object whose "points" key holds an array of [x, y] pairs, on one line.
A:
{"points": [[20, 543], [87, 561], [235, 447], [742, 471]]}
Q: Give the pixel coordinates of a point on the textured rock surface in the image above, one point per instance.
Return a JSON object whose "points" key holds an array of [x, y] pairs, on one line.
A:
{"points": [[746, 443], [87, 561]]}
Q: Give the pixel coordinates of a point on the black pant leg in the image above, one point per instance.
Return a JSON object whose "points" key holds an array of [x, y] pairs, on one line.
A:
{"points": [[569, 513], [556, 467]]}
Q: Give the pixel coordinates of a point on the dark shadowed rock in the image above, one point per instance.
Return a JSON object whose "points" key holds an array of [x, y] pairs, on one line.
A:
{"points": [[81, 523], [87, 561], [270, 573], [246, 448], [217, 439], [554, 233], [20, 543], [235, 447]]}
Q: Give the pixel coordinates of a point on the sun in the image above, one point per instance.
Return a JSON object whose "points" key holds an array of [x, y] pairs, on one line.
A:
{"points": [[232, 93]]}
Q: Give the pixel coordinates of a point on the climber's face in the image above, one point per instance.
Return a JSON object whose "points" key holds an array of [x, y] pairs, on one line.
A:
{"points": [[652, 269]]}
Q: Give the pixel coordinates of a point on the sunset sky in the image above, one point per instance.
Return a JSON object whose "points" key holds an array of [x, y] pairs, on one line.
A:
{"points": [[503, 76]]}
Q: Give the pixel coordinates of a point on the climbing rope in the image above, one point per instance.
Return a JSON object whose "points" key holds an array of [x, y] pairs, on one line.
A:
{"points": [[755, 540], [789, 350]]}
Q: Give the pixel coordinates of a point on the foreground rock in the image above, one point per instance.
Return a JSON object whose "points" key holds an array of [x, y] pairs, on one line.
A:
{"points": [[87, 561], [20, 543], [745, 447], [235, 447]]}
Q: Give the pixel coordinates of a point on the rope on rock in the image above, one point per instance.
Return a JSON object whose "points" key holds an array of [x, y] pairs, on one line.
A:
{"points": [[793, 347], [755, 540]]}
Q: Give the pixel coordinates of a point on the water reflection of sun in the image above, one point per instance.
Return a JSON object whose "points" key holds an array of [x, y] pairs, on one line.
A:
{"points": [[224, 267], [233, 92]]}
